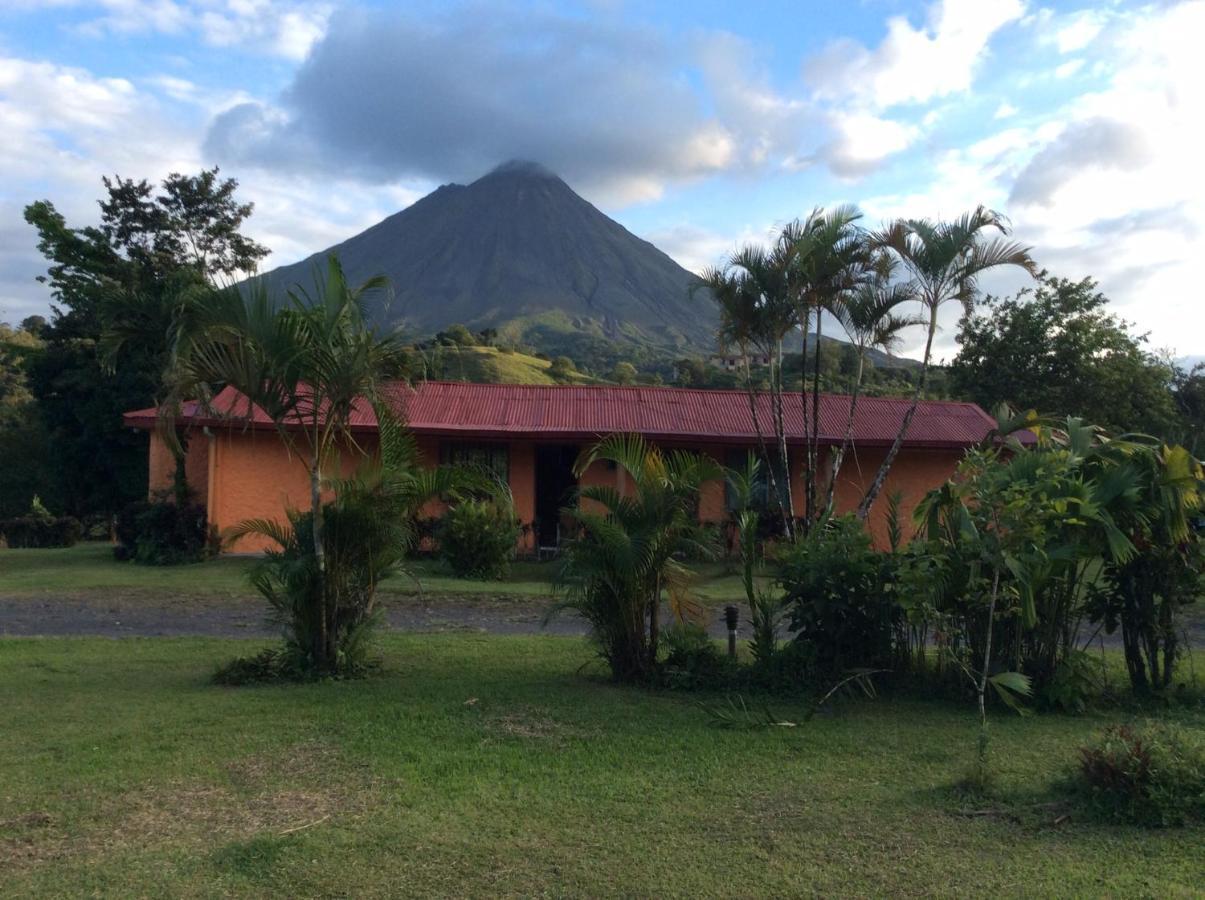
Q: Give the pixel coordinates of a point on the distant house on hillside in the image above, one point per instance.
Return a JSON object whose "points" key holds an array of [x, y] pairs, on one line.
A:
{"points": [[732, 362], [531, 435]]}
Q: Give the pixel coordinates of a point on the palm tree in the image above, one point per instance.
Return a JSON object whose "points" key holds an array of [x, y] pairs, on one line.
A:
{"points": [[628, 552], [308, 364], [944, 261], [869, 319], [368, 527], [828, 257], [756, 312]]}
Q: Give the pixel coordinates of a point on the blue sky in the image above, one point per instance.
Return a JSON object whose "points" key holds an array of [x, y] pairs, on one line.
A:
{"points": [[698, 126]]}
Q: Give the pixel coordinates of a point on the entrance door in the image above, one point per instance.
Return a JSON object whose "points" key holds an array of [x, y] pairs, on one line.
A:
{"points": [[555, 484]]}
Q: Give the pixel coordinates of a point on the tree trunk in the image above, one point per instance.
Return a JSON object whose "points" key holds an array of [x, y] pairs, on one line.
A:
{"points": [[880, 477], [839, 455], [180, 492], [814, 442], [654, 626], [788, 500], [771, 478], [324, 658]]}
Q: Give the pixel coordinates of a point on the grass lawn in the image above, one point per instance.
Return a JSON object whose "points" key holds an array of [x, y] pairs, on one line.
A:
{"points": [[492, 766], [89, 570]]}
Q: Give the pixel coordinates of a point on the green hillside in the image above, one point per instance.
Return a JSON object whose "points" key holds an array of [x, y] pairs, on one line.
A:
{"points": [[489, 365]]}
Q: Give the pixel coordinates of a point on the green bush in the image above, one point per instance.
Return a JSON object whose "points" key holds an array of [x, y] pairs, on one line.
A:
{"points": [[1146, 774], [161, 533], [477, 538], [40, 531], [692, 659], [838, 599]]}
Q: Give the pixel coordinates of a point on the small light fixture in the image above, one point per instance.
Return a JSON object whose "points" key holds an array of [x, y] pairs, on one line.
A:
{"points": [[732, 616]]}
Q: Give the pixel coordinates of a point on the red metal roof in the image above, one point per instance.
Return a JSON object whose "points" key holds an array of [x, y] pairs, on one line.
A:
{"points": [[583, 412]]}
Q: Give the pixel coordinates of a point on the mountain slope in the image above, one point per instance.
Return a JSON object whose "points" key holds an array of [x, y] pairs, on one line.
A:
{"points": [[514, 245]]}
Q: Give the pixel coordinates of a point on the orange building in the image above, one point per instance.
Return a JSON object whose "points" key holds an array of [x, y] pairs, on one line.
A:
{"points": [[531, 435]]}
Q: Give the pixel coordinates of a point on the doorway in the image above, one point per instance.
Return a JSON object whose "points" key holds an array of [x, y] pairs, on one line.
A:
{"points": [[555, 484]]}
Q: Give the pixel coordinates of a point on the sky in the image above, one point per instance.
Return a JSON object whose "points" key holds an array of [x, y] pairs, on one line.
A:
{"points": [[699, 126]]}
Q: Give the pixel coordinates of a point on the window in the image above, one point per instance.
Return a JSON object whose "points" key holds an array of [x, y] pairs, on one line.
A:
{"points": [[493, 458]]}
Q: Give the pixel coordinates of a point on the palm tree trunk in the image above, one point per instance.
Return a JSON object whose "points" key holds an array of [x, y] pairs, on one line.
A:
{"points": [[772, 480], [880, 477], [787, 499], [324, 656], [654, 625], [839, 455], [814, 441]]}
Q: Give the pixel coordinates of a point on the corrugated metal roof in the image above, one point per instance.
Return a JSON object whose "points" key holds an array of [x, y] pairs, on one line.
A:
{"points": [[667, 413]]}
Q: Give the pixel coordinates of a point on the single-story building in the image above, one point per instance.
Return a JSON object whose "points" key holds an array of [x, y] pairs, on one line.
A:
{"points": [[531, 436]]}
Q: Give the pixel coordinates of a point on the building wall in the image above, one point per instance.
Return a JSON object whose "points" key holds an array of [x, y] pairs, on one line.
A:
{"points": [[250, 474], [196, 466]]}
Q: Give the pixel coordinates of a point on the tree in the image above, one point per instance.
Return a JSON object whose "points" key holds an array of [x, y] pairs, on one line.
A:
{"points": [[868, 314], [623, 373], [757, 312], [943, 261], [133, 261], [308, 365], [629, 550], [828, 257], [1057, 349], [561, 369], [34, 325]]}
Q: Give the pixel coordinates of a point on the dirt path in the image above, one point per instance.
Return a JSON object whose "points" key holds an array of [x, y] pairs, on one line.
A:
{"points": [[138, 617], [109, 614]]}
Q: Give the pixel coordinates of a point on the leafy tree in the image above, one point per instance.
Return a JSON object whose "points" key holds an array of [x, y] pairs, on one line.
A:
{"points": [[34, 325], [1189, 388], [943, 261], [132, 263], [24, 445], [561, 369], [1059, 350], [457, 335], [623, 373]]}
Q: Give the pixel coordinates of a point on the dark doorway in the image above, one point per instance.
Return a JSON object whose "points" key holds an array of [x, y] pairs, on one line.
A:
{"points": [[555, 484]]}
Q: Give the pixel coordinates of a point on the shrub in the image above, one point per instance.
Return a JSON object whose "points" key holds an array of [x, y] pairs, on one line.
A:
{"points": [[40, 531], [161, 533], [836, 588], [1147, 774], [692, 659], [477, 538]]}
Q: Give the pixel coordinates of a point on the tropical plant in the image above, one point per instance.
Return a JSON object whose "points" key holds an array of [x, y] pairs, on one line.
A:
{"points": [[765, 608], [752, 290], [828, 258], [868, 315], [477, 537], [943, 261], [326, 603], [836, 588], [309, 365], [628, 553], [1143, 593]]}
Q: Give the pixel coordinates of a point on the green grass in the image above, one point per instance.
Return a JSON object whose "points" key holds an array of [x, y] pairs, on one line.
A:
{"points": [[489, 365], [488, 766], [89, 570]]}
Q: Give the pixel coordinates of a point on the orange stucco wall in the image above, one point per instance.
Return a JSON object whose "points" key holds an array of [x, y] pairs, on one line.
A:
{"points": [[196, 466], [250, 474]]}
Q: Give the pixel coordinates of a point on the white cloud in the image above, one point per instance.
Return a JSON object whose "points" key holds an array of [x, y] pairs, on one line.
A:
{"points": [[272, 27], [1067, 69], [1005, 110], [913, 65], [1107, 186], [1079, 30]]}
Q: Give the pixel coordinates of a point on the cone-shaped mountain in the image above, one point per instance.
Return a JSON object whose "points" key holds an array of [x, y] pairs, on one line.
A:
{"points": [[515, 244]]}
